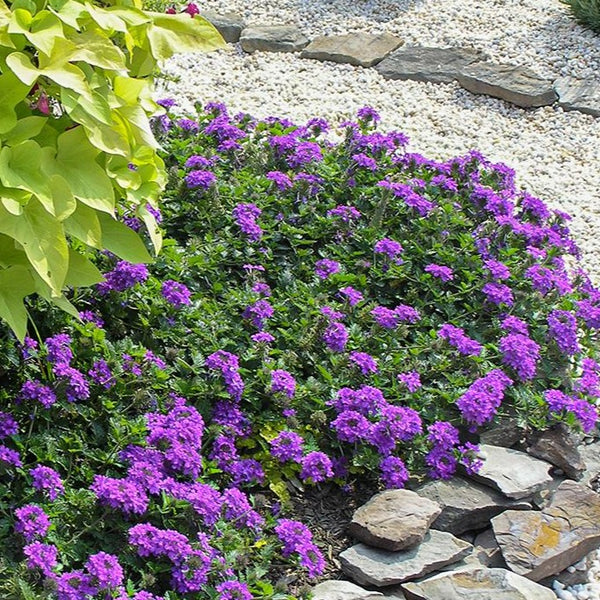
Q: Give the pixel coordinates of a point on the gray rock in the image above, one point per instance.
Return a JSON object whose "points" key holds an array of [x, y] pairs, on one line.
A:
{"points": [[487, 550], [466, 505], [273, 38], [505, 431], [229, 25], [580, 95], [576, 574], [558, 446], [590, 453], [516, 474], [394, 520], [518, 85], [380, 568], [436, 65], [342, 590], [477, 584], [358, 49], [541, 544]]}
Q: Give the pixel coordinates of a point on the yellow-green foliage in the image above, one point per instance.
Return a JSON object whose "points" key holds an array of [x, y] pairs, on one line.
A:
{"points": [[75, 143]]}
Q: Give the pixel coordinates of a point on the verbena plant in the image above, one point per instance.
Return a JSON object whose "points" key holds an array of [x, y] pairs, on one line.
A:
{"points": [[76, 149], [320, 312], [587, 12]]}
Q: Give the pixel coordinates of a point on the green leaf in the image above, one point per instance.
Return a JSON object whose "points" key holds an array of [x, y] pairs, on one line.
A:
{"points": [[12, 91], [151, 227], [170, 34], [97, 50], [84, 225], [82, 272], [15, 284], [25, 129], [121, 240]]}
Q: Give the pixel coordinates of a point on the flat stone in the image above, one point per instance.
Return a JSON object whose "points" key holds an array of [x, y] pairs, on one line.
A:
{"points": [[466, 504], [229, 25], [517, 85], [380, 568], [590, 453], [580, 95], [421, 63], [559, 447], [273, 38], [541, 544], [476, 584], [505, 431], [576, 574], [358, 49], [515, 474], [487, 550], [342, 590], [394, 520]]}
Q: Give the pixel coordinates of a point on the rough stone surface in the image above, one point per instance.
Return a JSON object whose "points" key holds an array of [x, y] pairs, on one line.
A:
{"points": [[477, 584], [515, 474], [487, 550], [590, 453], [580, 95], [558, 446], [273, 38], [466, 505], [380, 568], [540, 544], [229, 25], [342, 590], [505, 432], [576, 574], [394, 520], [436, 65], [358, 49], [518, 85]]}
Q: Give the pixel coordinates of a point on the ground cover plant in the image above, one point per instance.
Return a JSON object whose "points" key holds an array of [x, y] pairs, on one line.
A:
{"points": [[321, 312], [587, 12]]}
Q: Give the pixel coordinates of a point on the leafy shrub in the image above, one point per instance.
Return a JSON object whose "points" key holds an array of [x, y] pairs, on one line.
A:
{"points": [[587, 12], [76, 146], [329, 311]]}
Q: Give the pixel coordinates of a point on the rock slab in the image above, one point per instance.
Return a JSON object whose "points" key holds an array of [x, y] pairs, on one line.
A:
{"points": [[476, 584], [515, 474], [559, 447], [466, 505], [394, 520], [577, 94], [380, 568], [229, 25], [358, 49], [540, 544], [435, 65], [518, 85], [342, 590], [273, 38]]}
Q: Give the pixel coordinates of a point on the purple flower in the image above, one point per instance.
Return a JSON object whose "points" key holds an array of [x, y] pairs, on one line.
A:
{"points": [[442, 434], [409, 196], [29, 346], [296, 538], [440, 271], [390, 248], [562, 327], [442, 462], [245, 216], [583, 411], [393, 472], [407, 314], [10, 457], [105, 571], [8, 425], [521, 353], [191, 574], [200, 179], [77, 387], [41, 556], [362, 160], [353, 296], [367, 400], [122, 494], [87, 316], [47, 480], [101, 374], [258, 312], [304, 153], [411, 380], [590, 313], [262, 337], [367, 113], [151, 541], [281, 180], [345, 213], [365, 362], [59, 349], [326, 267], [480, 402], [497, 270], [31, 522], [385, 317], [316, 466], [233, 590], [287, 445], [175, 293], [350, 426], [199, 161], [396, 424], [336, 337], [514, 325], [74, 585], [498, 293], [124, 276], [284, 382], [589, 382], [228, 364], [238, 511], [457, 338]]}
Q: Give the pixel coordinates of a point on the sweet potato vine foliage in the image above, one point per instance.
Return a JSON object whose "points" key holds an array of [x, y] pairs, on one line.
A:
{"points": [[321, 313]]}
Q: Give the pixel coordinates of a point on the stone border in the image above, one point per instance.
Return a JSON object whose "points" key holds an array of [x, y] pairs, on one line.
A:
{"points": [[386, 53]]}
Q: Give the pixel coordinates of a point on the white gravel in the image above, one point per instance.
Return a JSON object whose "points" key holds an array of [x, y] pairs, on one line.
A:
{"points": [[556, 154]]}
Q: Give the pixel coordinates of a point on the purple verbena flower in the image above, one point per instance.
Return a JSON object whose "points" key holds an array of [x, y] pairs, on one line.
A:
{"points": [[521, 353], [394, 473], [480, 402], [335, 337], [31, 522], [287, 445], [440, 271], [562, 328], [316, 466], [284, 382], [326, 267], [411, 380], [175, 293], [365, 362], [457, 338], [47, 480], [41, 556]]}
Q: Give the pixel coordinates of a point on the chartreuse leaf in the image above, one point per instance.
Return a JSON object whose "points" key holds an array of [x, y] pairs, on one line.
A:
{"points": [[41, 31], [84, 225], [25, 129], [169, 34], [121, 240], [12, 91], [15, 283], [76, 162], [14, 199], [82, 272], [151, 227], [97, 50], [64, 202], [43, 240]]}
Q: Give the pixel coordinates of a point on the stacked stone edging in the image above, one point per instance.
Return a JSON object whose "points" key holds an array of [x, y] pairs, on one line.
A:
{"points": [[470, 68]]}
